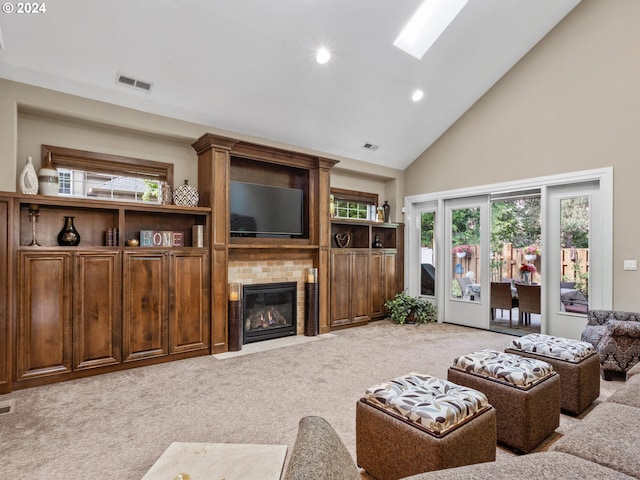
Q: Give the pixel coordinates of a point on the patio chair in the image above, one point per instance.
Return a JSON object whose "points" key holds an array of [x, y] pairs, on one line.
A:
{"points": [[502, 298], [463, 282], [528, 302]]}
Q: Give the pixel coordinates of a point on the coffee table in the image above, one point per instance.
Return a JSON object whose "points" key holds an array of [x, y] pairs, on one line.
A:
{"points": [[215, 461]]}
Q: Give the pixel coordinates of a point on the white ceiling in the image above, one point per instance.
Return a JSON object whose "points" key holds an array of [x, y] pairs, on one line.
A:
{"points": [[248, 66]]}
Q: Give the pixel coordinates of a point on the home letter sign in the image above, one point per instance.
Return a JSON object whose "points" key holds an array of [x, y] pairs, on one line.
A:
{"points": [[161, 238]]}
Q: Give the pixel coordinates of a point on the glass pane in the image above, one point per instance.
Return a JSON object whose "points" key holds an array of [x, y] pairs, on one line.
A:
{"points": [[574, 242], [78, 183], [427, 254], [465, 251], [515, 240]]}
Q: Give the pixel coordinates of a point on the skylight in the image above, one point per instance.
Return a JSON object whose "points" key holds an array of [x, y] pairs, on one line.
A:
{"points": [[427, 24]]}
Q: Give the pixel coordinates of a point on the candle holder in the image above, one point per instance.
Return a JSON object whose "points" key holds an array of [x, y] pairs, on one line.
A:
{"points": [[312, 275], [34, 213], [311, 303], [235, 317]]}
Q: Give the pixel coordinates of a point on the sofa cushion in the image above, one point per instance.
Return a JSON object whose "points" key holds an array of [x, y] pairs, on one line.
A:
{"points": [[609, 435], [553, 347], [319, 454], [541, 466], [629, 393], [506, 368], [435, 404], [633, 371]]}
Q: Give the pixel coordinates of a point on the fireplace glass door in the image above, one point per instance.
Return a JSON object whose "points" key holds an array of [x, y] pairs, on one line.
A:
{"points": [[269, 311]]}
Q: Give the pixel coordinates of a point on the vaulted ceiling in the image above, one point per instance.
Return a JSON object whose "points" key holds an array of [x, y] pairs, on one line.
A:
{"points": [[248, 66]]}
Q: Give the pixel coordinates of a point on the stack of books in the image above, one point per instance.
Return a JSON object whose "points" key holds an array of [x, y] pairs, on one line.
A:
{"points": [[112, 236]]}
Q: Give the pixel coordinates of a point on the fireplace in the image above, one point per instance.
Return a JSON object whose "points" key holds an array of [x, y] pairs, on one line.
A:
{"points": [[269, 311]]}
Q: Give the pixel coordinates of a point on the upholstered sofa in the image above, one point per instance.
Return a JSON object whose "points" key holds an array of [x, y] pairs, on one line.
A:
{"points": [[616, 337], [605, 444]]}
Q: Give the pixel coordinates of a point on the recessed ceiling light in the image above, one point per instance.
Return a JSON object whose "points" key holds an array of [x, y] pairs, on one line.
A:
{"points": [[427, 24], [417, 95], [323, 56]]}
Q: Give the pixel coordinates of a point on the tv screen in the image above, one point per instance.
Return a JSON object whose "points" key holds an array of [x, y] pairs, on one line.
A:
{"points": [[262, 210]]}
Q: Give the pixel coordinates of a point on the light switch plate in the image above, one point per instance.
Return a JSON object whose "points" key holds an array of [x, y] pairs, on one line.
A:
{"points": [[630, 265]]}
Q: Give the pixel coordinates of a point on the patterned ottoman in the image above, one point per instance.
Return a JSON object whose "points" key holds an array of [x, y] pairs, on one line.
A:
{"points": [[525, 393], [418, 423], [577, 363]]}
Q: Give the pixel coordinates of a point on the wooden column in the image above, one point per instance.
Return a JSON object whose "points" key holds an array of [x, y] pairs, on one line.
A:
{"points": [[324, 242], [213, 186]]}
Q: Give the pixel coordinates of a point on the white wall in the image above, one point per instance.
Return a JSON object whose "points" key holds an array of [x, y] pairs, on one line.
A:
{"points": [[571, 104], [32, 116]]}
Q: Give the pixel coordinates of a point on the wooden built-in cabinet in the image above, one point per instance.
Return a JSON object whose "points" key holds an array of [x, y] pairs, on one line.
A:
{"points": [[363, 278], [222, 160], [350, 292], [96, 307]]}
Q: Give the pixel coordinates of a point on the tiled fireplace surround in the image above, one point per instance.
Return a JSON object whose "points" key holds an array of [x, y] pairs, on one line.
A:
{"points": [[273, 271]]}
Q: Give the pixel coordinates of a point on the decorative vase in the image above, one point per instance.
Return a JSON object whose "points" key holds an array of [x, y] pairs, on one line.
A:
{"points": [[68, 236], [461, 254], [186, 195], [526, 278], [530, 257], [29, 179], [48, 178], [332, 206], [387, 212]]}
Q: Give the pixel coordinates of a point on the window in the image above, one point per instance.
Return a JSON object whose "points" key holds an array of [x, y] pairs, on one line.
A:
{"points": [[353, 204], [97, 175], [64, 181]]}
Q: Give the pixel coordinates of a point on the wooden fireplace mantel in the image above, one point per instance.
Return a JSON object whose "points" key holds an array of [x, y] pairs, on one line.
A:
{"points": [[222, 159]]}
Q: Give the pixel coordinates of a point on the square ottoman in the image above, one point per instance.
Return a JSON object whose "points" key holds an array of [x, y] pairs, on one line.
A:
{"points": [[577, 363], [418, 423], [524, 391]]}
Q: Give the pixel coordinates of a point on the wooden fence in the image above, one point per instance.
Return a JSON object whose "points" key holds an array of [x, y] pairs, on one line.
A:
{"points": [[574, 263]]}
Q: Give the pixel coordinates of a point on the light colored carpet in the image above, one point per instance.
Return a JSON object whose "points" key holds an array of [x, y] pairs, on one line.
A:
{"points": [[116, 425]]}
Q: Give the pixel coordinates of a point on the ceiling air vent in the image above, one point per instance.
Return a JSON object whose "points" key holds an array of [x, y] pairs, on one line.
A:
{"points": [[370, 146], [132, 82]]}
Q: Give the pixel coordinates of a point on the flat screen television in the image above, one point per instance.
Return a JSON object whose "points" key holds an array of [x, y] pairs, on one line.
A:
{"points": [[265, 211]]}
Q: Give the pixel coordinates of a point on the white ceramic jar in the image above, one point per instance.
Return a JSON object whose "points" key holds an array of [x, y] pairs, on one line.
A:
{"points": [[48, 178]]}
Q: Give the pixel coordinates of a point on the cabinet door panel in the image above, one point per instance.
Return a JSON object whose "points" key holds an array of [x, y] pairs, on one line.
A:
{"points": [[340, 288], [189, 302], [361, 294], [44, 314], [145, 329], [390, 275], [97, 324], [377, 284]]}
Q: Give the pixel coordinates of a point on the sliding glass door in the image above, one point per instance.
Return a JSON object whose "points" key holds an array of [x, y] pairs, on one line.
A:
{"points": [[466, 266], [574, 285], [450, 233]]}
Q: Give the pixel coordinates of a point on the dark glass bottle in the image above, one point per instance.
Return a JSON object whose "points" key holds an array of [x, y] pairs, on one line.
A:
{"points": [[68, 236]]}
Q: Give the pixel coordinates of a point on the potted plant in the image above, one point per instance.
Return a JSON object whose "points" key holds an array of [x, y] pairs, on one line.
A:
{"points": [[531, 252], [527, 269], [462, 251], [407, 309]]}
